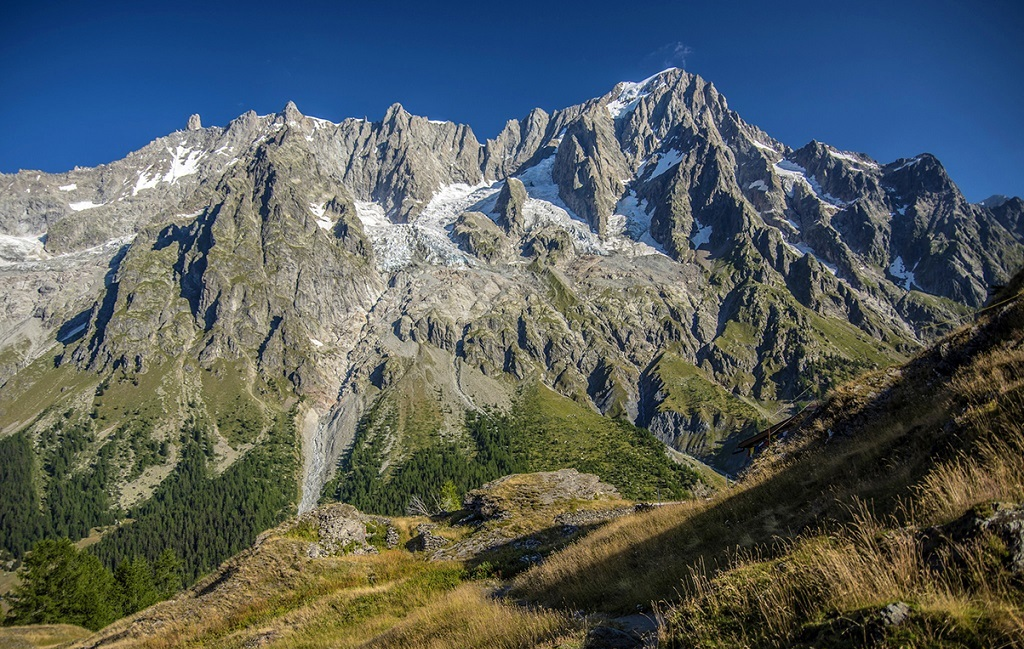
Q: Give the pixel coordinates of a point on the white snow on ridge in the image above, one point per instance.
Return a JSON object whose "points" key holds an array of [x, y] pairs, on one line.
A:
{"points": [[908, 163], [625, 102], [850, 157], [666, 161], [759, 185], [630, 95], [184, 163], [84, 205], [68, 188], [899, 271], [792, 173]]}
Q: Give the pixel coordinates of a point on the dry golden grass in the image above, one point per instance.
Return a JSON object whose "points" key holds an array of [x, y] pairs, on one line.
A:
{"points": [[993, 467], [273, 596], [468, 618], [838, 578], [40, 636]]}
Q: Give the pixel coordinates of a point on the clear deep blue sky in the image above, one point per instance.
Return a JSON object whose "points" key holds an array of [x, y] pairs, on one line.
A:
{"points": [[86, 82]]}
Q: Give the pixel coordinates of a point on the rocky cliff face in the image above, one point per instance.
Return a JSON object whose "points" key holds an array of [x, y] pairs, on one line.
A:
{"points": [[644, 253]]}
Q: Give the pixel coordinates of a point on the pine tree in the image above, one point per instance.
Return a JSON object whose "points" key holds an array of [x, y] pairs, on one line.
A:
{"points": [[59, 584], [167, 574], [135, 585]]}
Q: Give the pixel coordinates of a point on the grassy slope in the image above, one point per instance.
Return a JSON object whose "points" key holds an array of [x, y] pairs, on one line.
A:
{"points": [[892, 451], [40, 636], [543, 431], [274, 595]]}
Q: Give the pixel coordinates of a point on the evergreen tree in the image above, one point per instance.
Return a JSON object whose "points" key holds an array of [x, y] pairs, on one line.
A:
{"points": [[167, 577], [135, 585], [450, 500], [59, 584]]}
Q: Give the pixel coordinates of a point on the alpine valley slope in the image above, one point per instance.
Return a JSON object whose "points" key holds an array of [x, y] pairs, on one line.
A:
{"points": [[276, 296]]}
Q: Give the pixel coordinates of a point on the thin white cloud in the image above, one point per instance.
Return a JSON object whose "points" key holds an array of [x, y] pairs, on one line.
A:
{"points": [[671, 55]]}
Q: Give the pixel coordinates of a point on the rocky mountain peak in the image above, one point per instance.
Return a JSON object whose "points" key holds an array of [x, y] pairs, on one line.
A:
{"points": [[194, 123], [291, 113], [994, 201], [396, 115]]}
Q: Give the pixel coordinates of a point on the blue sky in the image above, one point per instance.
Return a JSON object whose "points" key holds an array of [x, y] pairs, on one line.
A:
{"points": [[86, 82]]}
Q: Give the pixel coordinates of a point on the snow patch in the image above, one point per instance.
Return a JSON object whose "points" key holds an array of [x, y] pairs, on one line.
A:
{"points": [[316, 342], [759, 185], [849, 156], [801, 249], [628, 229], [909, 163], [84, 205], [318, 210], [184, 163], [900, 271], [666, 161], [629, 96], [68, 188], [145, 182], [544, 207], [791, 173], [633, 220]]}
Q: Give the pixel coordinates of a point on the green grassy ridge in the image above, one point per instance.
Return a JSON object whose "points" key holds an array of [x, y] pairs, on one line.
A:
{"points": [[689, 391], [823, 352], [543, 431]]}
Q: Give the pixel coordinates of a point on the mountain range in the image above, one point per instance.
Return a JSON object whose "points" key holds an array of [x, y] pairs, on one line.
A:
{"points": [[349, 306]]}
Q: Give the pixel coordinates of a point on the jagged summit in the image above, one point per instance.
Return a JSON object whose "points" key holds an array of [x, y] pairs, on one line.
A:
{"points": [[291, 112]]}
